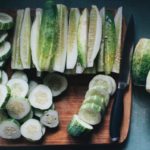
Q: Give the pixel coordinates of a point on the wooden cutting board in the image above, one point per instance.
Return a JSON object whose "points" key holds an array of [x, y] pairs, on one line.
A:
{"points": [[67, 105]]}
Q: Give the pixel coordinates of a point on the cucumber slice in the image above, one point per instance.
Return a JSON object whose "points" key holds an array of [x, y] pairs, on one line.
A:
{"points": [[94, 36], [97, 90], [3, 37], [25, 51], [72, 52], [4, 78], [10, 129], [27, 117], [19, 75], [4, 94], [32, 130], [38, 113], [18, 87], [50, 119], [56, 82], [2, 63], [90, 113], [77, 127], [32, 85], [60, 57], [43, 130], [5, 51], [41, 97], [35, 33], [18, 107], [6, 21], [148, 82]]}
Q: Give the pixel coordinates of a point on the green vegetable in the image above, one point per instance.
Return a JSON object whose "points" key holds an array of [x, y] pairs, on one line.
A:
{"points": [[48, 37], [110, 42], [25, 51], [3, 37], [16, 58], [61, 52], [77, 127], [4, 77], [141, 62]]}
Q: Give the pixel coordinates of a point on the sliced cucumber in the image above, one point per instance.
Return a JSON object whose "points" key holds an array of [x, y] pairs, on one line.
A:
{"points": [[4, 94], [5, 51], [43, 130], [32, 130], [4, 77], [56, 82], [3, 37], [32, 85], [90, 113], [10, 129], [19, 75], [72, 52], [18, 87], [6, 21], [77, 127], [27, 117], [18, 107], [2, 63], [38, 113], [97, 90], [50, 119], [41, 97]]}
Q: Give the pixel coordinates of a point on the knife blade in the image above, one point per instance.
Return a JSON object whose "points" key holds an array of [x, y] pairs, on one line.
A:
{"points": [[123, 82]]}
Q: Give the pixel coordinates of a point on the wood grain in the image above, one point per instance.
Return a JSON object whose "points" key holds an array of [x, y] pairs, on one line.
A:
{"points": [[68, 104]]}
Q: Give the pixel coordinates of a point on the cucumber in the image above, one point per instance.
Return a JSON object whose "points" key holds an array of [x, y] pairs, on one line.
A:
{"points": [[4, 94], [41, 97], [110, 42], [18, 87], [27, 117], [50, 119], [19, 75], [91, 70], [94, 36], [56, 82], [16, 58], [38, 113], [6, 21], [32, 130], [148, 82], [77, 127], [4, 77], [61, 52], [10, 129], [3, 37], [18, 107], [72, 52], [43, 130], [25, 51], [100, 67], [3, 115], [90, 113], [118, 27], [82, 39], [97, 90], [32, 85], [2, 63], [35, 33], [5, 50]]}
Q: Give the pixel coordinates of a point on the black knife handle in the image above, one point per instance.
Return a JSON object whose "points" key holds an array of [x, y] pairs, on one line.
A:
{"points": [[116, 115]]}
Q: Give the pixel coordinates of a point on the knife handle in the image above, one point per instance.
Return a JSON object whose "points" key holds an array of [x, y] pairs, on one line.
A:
{"points": [[116, 116]]}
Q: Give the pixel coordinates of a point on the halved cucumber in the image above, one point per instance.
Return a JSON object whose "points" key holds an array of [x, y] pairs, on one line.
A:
{"points": [[18, 87], [5, 51], [90, 113], [18, 107], [32, 130], [97, 90], [3, 37], [10, 129], [4, 94], [50, 119], [6, 21], [32, 85], [19, 75], [41, 97], [4, 77], [77, 127], [56, 82]]}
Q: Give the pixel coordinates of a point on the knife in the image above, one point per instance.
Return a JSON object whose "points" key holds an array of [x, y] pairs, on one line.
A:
{"points": [[123, 82]]}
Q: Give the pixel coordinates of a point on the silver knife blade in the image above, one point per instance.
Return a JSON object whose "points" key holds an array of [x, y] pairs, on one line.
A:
{"points": [[126, 55]]}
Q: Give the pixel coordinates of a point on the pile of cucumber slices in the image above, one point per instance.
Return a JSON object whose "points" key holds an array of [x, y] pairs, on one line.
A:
{"points": [[6, 23], [93, 108], [27, 107]]}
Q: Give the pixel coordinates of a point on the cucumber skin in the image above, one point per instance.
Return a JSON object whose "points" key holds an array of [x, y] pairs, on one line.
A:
{"points": [[110, 42], [48, 38], [76, 130], [6, 26]]}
